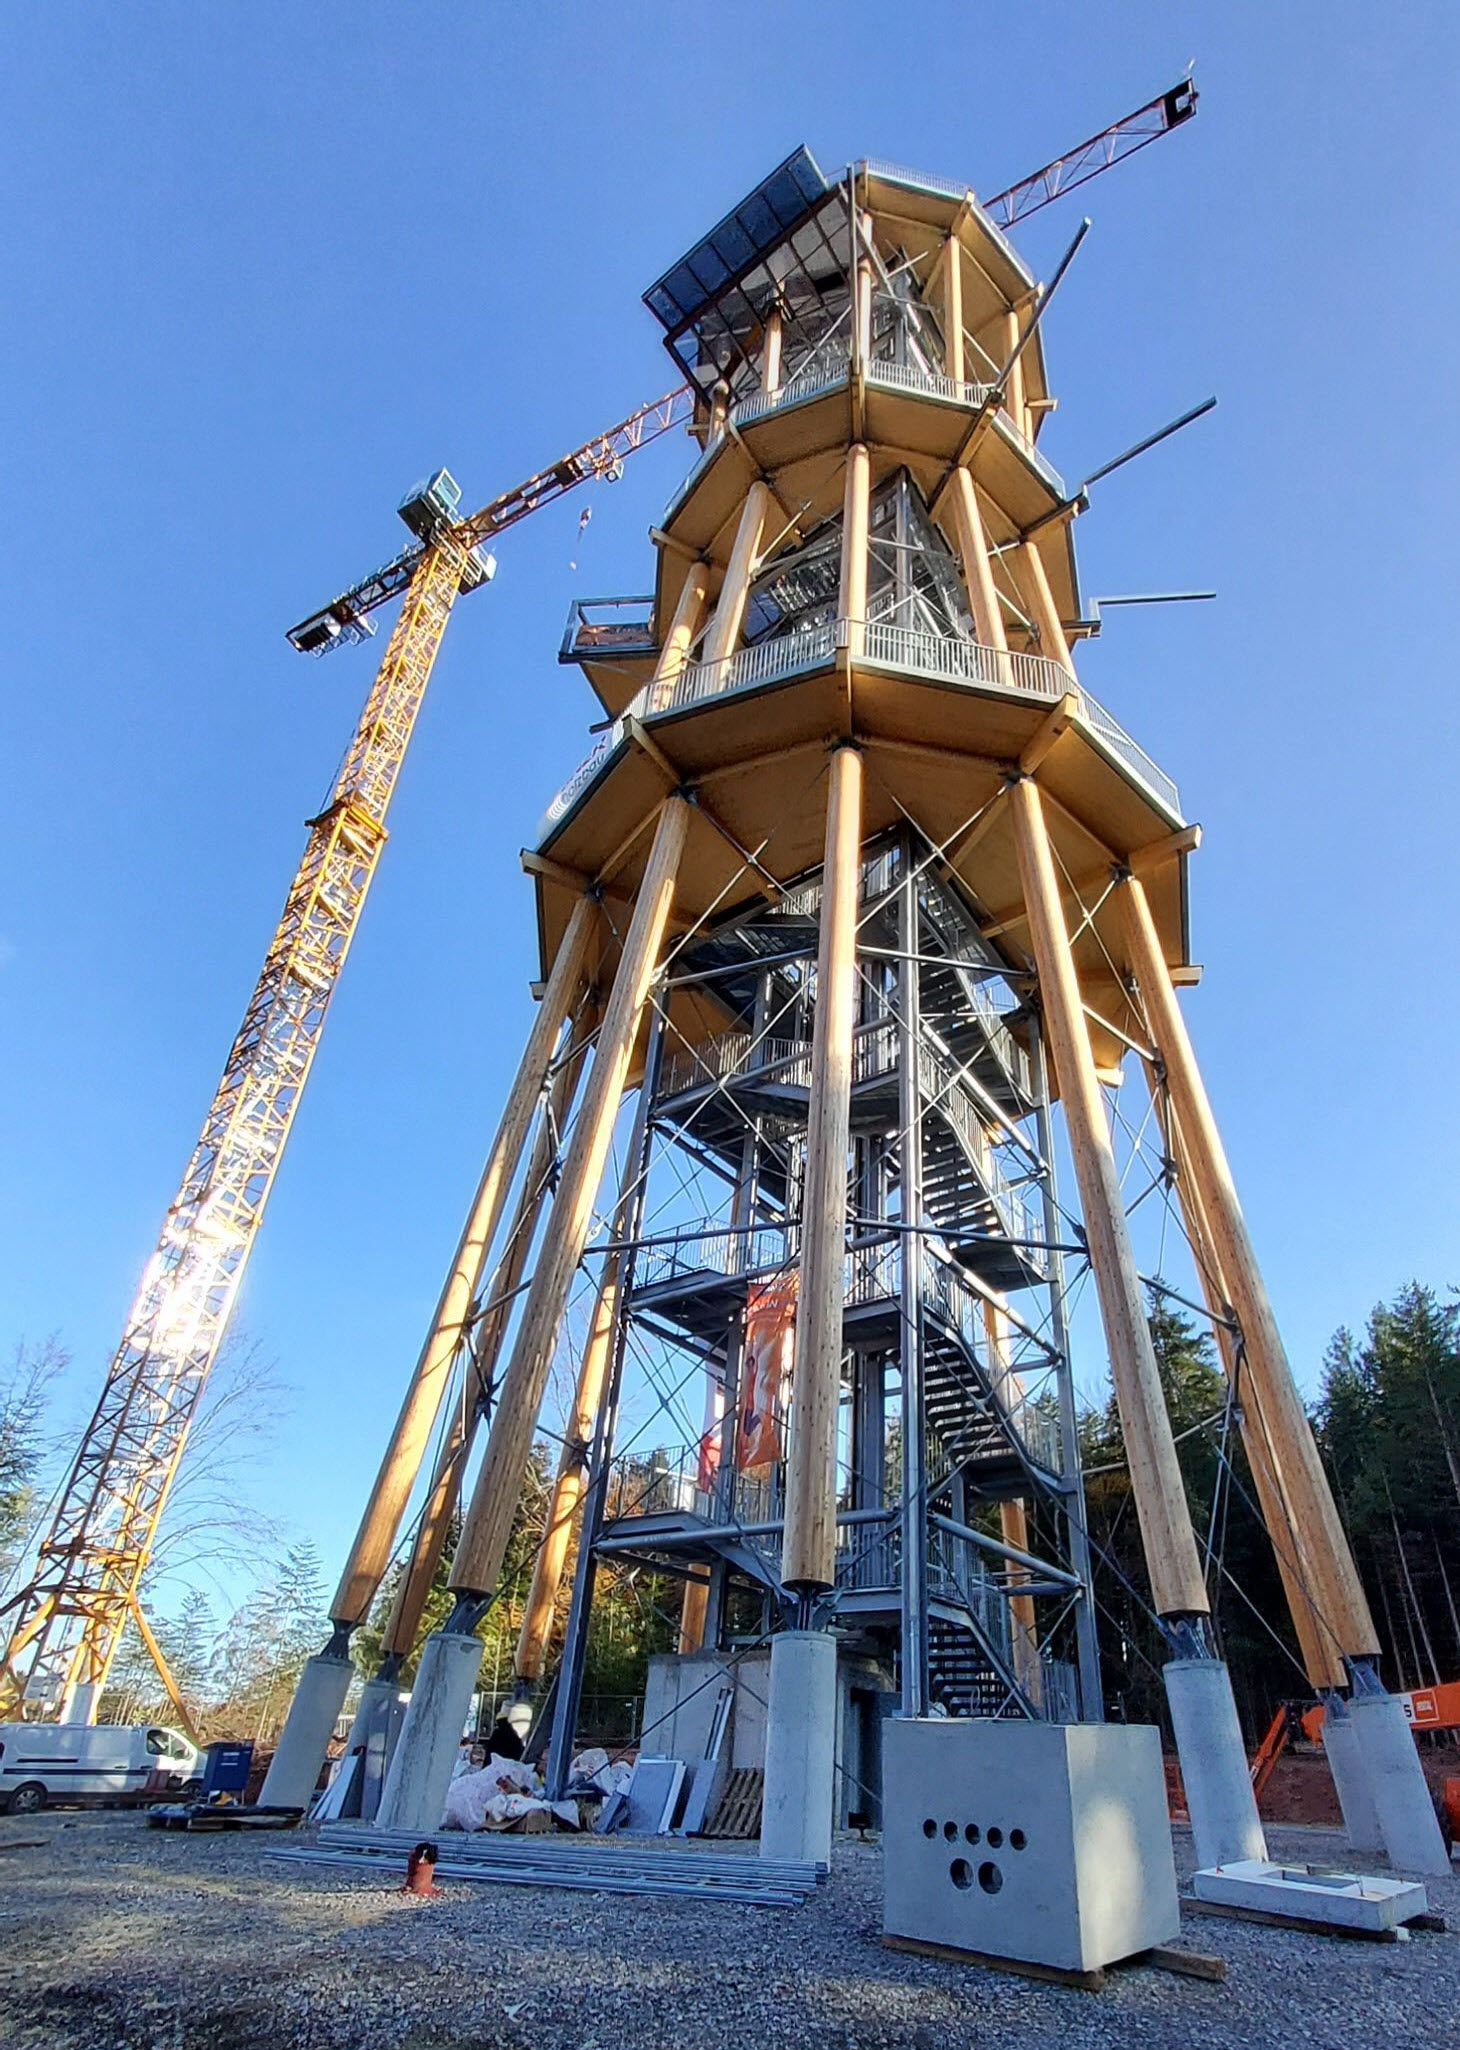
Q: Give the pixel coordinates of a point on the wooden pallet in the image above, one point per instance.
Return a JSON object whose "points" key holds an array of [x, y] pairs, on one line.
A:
{"points": [[1188, 1964], [1309, 1925], [737, 1812]]}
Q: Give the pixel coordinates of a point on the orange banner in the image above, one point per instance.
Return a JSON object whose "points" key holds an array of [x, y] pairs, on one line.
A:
{"points": [[765, 1372]]}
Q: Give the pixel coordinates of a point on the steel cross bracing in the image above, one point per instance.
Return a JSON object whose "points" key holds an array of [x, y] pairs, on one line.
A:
{"points": [[599, 457], [69, 1616], [730, 1108]]}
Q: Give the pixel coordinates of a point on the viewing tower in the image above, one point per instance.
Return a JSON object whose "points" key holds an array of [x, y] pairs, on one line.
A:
{"points": [[858, 883]]}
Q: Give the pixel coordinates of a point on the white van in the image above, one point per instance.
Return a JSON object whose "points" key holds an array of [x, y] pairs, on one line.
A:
{"points": [[115, 1764]]}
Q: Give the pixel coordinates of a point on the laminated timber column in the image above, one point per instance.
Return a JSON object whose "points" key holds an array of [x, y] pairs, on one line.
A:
{"points": [[724, 632], [322, 1687], [1209, 1741], [912, 1209], [1397, 1784], [402, 1459], [800, 1732], [685, 624], [1321, 1658], [1018, 411], [856, 520], [410, 1603], [421, 1770], [973, 546], [955, 353], [572, 1475], [1043, 610], [1014, 1516]]}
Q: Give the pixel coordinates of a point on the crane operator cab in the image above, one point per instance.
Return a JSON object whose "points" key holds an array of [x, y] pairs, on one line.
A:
{"points": [[434, 505]]}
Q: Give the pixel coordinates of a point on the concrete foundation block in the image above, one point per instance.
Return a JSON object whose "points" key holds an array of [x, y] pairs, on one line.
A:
{"points": [[308, 1727], [1342, 1900], [1397, 1785], [414, 1796], [800, 1751], [1214, 1767], [1047, 1843], [1351, 1782], [375, 1731]]}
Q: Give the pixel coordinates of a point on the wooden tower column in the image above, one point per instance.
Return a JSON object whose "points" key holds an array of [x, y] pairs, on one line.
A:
{"points": [[572, 1476], [1034, 581], [724, 633], [401, 1463], [688, 614], [1170, 1545], [973, 546], [488, 1523], [1198, 1688], [808, 1558], [856, 518], [1339, 1593], [955, 354], [404, 1621], [1316, 1640], [1014, 1516]]}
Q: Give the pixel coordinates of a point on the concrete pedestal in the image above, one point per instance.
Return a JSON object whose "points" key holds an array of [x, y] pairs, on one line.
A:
{"points": [[375, 1731], [1401, 1797], [430, 1740], [1214, 1768], [308, 1727], [1044, 1842], [1351, 1781], [800, 1751], [80, 1704]]}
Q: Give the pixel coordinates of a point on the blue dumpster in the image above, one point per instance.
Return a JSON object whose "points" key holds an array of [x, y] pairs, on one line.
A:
{"points": [[227, 1768]]}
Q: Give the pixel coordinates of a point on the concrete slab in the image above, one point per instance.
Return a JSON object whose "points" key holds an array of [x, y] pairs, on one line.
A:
{"points": [[1345, 1900]]}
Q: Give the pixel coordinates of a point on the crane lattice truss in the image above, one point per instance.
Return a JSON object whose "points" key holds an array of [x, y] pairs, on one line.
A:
{"points": [[64, 1624]]}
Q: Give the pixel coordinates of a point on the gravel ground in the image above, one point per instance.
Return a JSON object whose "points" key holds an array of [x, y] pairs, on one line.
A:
{"points": [[114, 1935]]}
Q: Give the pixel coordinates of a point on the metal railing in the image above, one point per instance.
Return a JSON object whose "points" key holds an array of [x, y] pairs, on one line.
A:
{"points": [[908, 649], [586, 773], [733, 1054], [609, 626], [714, 1249], [1134, 756], [766, 662], [959, 661], [827, 367], [934, 384], [873, 1274], [939, 1082]]}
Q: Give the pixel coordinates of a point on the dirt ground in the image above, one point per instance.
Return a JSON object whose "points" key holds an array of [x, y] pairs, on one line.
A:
{"points": [[1301, 1787], [114, 1937]]}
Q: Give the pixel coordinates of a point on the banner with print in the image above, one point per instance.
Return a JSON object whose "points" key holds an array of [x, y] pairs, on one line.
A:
{"points": [[765, 1372]]}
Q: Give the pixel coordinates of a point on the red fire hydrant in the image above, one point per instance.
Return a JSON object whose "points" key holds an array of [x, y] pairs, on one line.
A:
{"points": [[421, 1871]]}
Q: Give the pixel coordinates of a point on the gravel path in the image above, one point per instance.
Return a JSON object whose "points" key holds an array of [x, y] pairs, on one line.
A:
{"points": [[114, 1935]]}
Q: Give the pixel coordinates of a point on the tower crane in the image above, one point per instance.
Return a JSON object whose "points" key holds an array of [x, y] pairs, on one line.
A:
{"points": [[65, 1622]]}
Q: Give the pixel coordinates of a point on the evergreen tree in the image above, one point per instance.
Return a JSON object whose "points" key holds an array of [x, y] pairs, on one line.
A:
{"points": [[1389, 1427]]}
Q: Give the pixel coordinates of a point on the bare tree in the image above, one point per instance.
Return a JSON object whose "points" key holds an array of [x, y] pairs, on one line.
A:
{"points": [[25, 1444]]}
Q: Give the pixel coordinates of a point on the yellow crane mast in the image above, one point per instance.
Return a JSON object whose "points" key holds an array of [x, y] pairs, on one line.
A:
{"points": [[63, 1625]]}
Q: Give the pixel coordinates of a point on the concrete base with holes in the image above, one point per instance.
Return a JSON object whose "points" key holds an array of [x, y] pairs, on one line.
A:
{"points": [[1045, 1843]]}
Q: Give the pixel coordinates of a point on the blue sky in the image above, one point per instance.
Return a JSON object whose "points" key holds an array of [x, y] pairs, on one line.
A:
{"points": [[269, 265]]}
